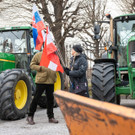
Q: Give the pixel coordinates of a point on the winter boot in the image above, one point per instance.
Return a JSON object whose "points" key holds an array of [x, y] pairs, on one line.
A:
{"points": [[30, 120]]}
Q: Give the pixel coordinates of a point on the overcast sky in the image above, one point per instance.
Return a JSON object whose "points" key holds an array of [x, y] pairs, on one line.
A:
{"points": [[5, 21], [113, 9]]}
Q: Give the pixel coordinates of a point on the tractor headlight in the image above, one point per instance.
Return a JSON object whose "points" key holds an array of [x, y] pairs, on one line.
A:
{"points": [[133, 57]]}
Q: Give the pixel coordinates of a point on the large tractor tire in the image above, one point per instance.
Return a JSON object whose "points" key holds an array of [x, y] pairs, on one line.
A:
{"points": [[15, 94], [59, 85], [103, 82]]}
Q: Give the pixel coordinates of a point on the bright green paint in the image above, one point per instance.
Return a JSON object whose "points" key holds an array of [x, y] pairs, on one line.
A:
{"points": [[15, 28], [7, 61], [124, 15], [129, 89]]}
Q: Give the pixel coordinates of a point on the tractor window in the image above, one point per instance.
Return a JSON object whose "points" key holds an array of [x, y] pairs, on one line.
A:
{"points": [[33, 50], [124, 31], [13, 41]]}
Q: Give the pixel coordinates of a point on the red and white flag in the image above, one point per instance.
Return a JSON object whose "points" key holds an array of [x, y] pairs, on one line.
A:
{"points": [[49, 57]]}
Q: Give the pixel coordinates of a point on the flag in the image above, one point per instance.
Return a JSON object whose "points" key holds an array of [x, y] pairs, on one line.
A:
{"points": [[49, 57], [51, 48], [38, 29]]}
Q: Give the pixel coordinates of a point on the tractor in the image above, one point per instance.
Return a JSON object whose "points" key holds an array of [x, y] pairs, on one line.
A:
{"points": [[114, 73], [16, 78]]}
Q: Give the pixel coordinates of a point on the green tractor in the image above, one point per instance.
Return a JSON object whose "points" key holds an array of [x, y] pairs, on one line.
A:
{"points": [[114, 73], [16, 78]]}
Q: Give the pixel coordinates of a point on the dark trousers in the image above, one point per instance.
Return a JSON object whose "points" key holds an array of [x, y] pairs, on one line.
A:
{"points": [[40, 88], [83, 93]]}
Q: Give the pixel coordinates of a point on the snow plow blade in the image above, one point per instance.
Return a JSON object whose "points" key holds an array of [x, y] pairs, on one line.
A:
{"points": [[85, 116]]}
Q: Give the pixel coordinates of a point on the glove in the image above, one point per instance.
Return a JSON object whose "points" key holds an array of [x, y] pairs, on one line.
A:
{"points": [[67, 70]]}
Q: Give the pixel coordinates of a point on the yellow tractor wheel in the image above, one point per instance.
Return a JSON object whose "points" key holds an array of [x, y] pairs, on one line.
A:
{"points": [[20, 94], [15, 94]]}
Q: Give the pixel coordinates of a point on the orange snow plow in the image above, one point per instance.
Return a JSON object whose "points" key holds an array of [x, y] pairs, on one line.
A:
{"points": [[85, 116]]}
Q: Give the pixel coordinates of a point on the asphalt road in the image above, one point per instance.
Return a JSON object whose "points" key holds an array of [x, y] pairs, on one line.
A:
{"points": [[42, 127], [128, 103]]}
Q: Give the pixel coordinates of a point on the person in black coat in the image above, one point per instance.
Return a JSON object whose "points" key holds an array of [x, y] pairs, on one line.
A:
{"points": [[77, 72]]}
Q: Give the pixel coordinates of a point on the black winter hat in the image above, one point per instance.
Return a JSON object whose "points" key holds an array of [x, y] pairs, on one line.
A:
{"points": [[78, 48]]}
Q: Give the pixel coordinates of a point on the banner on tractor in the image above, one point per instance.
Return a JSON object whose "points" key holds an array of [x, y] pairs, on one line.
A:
{"points": [[38, 29]]}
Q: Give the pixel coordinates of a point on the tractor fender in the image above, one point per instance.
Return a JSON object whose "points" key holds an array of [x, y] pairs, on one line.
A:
{"points": [[101, 60]]}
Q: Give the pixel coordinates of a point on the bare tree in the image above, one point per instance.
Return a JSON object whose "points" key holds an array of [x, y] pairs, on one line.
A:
{"points": [[126, 6], [63, 18], [61, 15], [15, 13], [94, 12]]}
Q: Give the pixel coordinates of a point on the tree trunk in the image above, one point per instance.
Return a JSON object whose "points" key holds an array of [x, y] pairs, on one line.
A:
{"points": [[97, 49]]}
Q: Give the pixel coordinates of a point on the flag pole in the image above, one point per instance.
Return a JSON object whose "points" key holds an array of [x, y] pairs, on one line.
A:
{"points": [[58, 51], [60, 56]]}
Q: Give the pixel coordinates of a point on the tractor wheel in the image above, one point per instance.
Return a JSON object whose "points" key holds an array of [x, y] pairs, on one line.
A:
{"points": [[59, 85], [15, 94], [103, 82]]}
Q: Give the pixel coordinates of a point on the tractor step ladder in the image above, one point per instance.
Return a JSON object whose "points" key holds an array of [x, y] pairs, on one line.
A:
{"points": [[85, 116]]}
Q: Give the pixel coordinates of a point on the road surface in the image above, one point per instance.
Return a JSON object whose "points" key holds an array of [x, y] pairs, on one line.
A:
{"points": [[42, 127]]}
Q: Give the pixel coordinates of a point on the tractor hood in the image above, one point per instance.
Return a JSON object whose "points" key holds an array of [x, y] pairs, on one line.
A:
{"points": [[7, 57], [7, 61], [125, 17]]}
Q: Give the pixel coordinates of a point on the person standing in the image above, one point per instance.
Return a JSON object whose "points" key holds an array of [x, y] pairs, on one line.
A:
{"points": [[77, 72], [45, 79]]}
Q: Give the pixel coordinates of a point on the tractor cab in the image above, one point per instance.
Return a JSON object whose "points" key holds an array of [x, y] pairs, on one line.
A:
{"points": [[13, 41], [124, 39], [15, 47], [115, 74], [124, 31]]}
